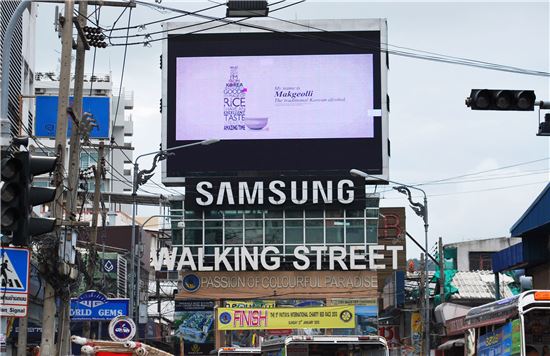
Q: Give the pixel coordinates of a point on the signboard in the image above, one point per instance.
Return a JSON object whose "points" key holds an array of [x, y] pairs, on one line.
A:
{"points": [[279, 102], [290, 284], [94, 305], [14, 281], [498, 342], [279, 193], [122, 329], [336, 317], [46, 115], [194, 323], [241, 258]]}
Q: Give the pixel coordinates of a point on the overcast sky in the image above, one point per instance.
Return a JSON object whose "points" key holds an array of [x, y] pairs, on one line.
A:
{"points": [[433, 134]]}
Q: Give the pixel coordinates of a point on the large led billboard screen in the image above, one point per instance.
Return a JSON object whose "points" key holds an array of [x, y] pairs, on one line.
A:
{"points": [[285, 102]]}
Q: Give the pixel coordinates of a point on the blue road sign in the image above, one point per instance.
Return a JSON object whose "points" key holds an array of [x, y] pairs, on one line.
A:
{"points": [[14, 270], [94, 305]]}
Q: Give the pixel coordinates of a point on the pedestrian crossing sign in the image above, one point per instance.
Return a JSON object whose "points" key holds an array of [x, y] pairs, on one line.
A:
{"points": [[14, 270]]}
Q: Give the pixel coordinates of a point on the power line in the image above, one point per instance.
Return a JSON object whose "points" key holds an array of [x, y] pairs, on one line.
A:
{"points": [[436, 57]]}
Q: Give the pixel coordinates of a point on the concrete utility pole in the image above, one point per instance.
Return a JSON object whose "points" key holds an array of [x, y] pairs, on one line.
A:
{"points": [[64, 335], [47, 344], [92, 250]]}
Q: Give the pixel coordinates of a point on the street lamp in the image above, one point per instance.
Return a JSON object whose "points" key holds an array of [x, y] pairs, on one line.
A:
{"points": [[421, 209], [140, 178]]}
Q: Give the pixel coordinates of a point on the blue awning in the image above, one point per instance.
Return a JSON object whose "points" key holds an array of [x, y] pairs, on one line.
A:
{"points": [[536, 217], [509, 258]]}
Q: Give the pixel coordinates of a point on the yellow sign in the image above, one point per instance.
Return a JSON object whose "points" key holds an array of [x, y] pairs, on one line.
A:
{"points": [[335, 317]]}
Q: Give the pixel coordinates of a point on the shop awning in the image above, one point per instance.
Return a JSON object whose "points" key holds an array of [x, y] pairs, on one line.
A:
{"points": [[451, 343], [536, 217]]}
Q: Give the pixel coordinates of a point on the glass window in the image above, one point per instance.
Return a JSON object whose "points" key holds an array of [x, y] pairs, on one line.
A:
{"points": [[88, 159], [233, 214], [277, 214], [193, 232], [335, 231], [372, 231], [213, 214], [177, 237], [254, 232], [192, 214], [335, 213], [355, 232], [314, 213], [176, 204], [273, 232], [294, 214], [355, 213], [213, 232], [258, 214], [294, 232], [314, 232], [372, 213], [234, 232], [481, 261]]}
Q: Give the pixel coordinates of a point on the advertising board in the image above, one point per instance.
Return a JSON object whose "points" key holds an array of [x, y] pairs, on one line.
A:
{"points": [[45, 122], [282, 101]]}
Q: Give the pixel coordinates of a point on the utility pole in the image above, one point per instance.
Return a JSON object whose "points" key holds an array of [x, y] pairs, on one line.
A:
{"points": [[47, 344], [64, 335], [422, 289], [441, 271], [92, 251], [22, 336]]}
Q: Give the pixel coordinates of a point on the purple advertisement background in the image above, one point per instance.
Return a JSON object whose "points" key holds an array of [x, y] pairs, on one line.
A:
{"points": [[279, 97]]}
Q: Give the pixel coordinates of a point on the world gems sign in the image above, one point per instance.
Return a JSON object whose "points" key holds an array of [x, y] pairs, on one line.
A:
{"points": [[338, 317]]}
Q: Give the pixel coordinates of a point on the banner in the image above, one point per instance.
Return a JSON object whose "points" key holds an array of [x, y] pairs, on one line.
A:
{"points": [[339, 317], [416, 333], [498, 342]]}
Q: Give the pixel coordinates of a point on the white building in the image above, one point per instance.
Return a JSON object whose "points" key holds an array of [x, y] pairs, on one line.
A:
{"points": [[20, 110], [476, 255]]}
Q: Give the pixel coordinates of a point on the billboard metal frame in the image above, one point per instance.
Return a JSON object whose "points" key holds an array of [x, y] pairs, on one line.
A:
{"points": [[327, 25]]}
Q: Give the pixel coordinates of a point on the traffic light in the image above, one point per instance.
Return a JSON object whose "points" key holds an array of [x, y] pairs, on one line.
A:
{"points": [[19, 196], [499, 99]]}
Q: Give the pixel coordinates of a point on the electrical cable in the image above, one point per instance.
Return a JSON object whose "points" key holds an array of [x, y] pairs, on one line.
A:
{"points": [[141, 26], [436, 58], [122, 73]]}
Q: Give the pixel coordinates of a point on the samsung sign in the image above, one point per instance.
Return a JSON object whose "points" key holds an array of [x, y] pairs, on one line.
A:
{"points": [[300, 192]]}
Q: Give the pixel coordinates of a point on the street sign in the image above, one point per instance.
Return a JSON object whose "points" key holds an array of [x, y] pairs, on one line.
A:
{"points": [[14, 281], [94, 305], [122, 329]]}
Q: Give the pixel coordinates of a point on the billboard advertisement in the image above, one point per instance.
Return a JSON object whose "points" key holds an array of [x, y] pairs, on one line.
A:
{"points": [[45, 123], [293, 102], [194, 326]]}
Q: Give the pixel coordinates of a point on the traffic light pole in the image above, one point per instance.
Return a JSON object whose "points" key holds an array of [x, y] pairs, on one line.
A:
{"points": [[47, 344]]}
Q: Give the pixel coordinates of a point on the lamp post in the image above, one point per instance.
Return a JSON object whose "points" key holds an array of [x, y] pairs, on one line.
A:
{"points": [[140, 178], [421, 209]]}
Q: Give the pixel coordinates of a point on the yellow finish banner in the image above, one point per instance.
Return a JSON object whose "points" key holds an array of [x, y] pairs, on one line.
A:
{"points": [[334, 317]]}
